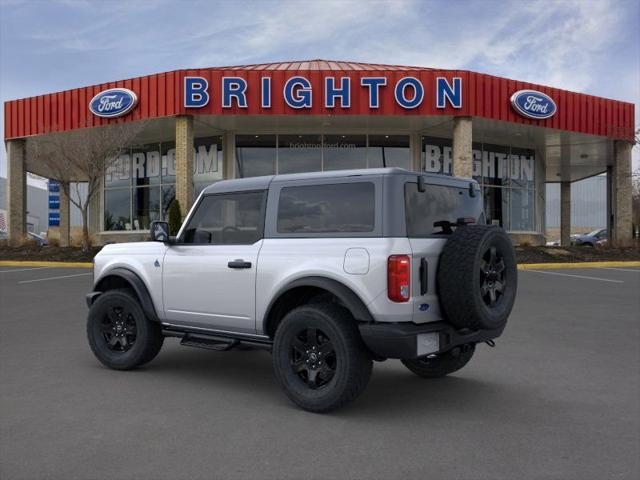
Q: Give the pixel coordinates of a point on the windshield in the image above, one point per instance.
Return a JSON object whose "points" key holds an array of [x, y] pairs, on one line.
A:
{"points": [[438, 203]]}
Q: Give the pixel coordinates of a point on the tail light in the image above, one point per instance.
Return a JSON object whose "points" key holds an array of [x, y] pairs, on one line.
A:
{"points": [[398, 278]]}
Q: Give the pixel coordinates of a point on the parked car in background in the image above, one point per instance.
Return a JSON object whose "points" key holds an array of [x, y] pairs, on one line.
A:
{"points": [[591, 239], [39, 239]]}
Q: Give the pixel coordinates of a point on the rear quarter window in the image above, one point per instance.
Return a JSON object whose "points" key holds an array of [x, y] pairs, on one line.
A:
{"points": [[437, 203], [328, 208]]}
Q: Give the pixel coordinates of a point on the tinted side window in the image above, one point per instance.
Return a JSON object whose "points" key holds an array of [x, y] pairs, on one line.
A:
{"points": [[343, 207], [228, 219], [437, 203]]}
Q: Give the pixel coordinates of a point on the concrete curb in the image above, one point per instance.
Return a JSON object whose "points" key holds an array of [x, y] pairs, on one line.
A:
{"points": [[29, 263], [521, 266], [542, 266]]}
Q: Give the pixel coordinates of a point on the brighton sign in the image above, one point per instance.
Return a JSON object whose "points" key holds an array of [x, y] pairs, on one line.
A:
{"points": [[113, 103], [297, 92], [533, 104]]}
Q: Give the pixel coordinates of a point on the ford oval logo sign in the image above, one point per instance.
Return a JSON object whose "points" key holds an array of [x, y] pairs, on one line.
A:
{"points": [[533, 104], [114, 102]]}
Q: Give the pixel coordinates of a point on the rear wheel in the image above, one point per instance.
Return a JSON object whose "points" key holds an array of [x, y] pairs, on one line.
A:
{"points": [[443, 364], [119, 333], [319, 358]]}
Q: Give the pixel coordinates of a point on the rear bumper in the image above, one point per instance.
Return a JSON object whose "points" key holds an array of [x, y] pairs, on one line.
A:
{"points": [[408, 340]]}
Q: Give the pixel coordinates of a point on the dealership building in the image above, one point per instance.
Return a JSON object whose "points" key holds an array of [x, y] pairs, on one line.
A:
{"points": [[201, 126]]}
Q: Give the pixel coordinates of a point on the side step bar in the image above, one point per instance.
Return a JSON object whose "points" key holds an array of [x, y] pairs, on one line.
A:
{"points": [[214, 342], [209, 343]]}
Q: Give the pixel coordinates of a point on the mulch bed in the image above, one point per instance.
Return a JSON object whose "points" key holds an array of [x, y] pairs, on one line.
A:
{"points": [[575, 254], [48, 253], [523, 254]]}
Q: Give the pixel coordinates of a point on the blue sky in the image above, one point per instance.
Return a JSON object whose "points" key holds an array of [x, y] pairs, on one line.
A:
{"points": [[581, 45]]}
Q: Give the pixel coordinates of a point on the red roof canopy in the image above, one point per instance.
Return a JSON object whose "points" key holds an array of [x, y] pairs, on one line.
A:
{"points": [[161, 95]]}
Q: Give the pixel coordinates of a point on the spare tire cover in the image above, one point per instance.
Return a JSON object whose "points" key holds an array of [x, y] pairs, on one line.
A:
{"points": [[477, 277]]}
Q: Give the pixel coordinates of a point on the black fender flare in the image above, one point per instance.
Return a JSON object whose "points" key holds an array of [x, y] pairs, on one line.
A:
{"points": [[347, 296], [136, 284]]}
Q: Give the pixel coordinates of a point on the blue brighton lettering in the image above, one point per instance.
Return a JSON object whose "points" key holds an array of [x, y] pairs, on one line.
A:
{"points": [[297, 92], [195, 92], [400, 92], [234, 87], [331, 92], [445, 92], [373, 84]]}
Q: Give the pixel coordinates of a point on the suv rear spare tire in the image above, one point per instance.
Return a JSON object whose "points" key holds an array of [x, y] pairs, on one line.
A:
{"points": [[477, 277]]}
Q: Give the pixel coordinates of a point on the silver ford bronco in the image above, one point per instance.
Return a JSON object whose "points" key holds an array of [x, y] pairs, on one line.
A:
{"points": [[328, 271]]}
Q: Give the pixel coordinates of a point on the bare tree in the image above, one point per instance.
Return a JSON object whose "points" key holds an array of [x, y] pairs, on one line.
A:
{"points": [[82, 156]]}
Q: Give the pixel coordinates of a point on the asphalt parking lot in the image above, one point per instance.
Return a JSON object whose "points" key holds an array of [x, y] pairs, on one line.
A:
{"points": [[559, 397]]}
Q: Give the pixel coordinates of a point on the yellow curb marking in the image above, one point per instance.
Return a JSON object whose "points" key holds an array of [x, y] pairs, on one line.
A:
{"points": [[29, 263], [538, 266]]}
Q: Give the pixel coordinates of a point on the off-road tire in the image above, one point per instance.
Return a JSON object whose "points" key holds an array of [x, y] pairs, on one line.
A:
{"points": [[148, 338], [462, 278], [441, 365], [351, 361]]}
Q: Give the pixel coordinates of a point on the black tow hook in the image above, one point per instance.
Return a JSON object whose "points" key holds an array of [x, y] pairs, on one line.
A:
{"points": [[491, 343]]}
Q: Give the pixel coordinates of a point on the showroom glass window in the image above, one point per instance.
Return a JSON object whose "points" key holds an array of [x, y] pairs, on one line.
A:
{"points": [[287, 153], [255, 155], [506, 175], [140, 184], [389, 151], [340, 152], [299, 153]]}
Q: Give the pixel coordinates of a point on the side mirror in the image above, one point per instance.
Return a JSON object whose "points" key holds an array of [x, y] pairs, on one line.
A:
{"points": [[160, 231]]}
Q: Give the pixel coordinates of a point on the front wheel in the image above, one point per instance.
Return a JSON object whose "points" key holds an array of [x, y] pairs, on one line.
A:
{"points": [[319, 358], [443, 364], [119, 333]]}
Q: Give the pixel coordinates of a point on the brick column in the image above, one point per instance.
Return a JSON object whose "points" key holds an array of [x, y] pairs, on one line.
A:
{"points": [[565, 213], [621, 193], [16, 191], [228, 156], [462, 149], [65, 215], [415, 143], [184, 162]]}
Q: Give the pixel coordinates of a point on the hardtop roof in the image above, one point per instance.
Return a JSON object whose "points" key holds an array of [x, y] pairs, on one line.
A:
{"points": [[263, 183]]}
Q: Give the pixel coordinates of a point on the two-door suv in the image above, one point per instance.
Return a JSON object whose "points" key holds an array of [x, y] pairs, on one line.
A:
{"points": [[329, 271]]}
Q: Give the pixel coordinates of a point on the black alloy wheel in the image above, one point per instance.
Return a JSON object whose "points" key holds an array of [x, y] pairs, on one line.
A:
{"points": [[492, 279], [313, 357], [119, 329], [120, 334], [319, 358]]}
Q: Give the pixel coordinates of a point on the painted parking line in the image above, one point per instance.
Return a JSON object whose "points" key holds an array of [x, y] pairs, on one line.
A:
{"points": [[621, 269], [575, 276], [23, 269], [56, 278]]}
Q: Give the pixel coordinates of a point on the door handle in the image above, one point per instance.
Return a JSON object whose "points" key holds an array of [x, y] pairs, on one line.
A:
{"points": [[239, 263]]}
